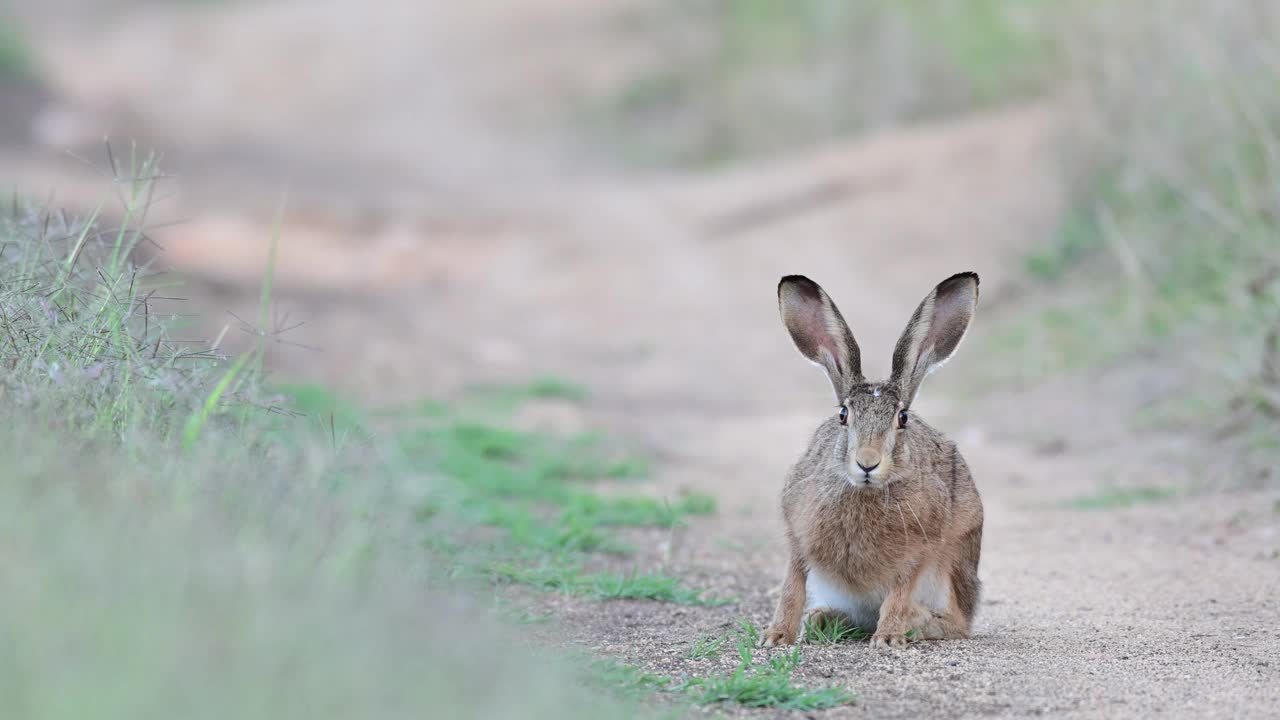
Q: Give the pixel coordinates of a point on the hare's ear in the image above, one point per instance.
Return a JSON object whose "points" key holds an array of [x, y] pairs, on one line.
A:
{"points": [[819, 332], [934, 333]]}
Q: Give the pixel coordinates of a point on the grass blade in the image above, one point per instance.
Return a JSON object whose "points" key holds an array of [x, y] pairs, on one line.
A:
{"points": [[198, 419]]}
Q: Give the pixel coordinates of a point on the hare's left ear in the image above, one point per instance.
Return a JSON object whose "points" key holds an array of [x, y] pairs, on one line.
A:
{"points": [[934, 332], [819, 332]]}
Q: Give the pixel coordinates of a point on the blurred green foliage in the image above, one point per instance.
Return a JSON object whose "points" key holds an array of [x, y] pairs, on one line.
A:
{"points": [[1172, 242], [15, 54], [736, 78]]}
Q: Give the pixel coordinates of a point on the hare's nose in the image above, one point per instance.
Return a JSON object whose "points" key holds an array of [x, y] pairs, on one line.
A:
{"points": [[867, 459]]}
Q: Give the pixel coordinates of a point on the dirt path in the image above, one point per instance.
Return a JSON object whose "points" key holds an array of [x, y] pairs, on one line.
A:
{"points": [[640, 291], [1169, 609], [658, 293]]}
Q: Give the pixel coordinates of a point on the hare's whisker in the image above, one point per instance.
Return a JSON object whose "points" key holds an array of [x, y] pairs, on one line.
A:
{"points": [[917, 517]]}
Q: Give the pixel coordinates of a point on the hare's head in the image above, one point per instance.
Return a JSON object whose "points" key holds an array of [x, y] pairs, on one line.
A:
{"points": [[876, 416]]}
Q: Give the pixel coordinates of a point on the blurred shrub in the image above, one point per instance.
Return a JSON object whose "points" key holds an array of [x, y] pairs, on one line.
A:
{"points": [[732, 78], [1176, 224], [15, 54]]}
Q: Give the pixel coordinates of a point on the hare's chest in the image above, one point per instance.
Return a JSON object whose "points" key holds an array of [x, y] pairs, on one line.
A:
{"points": [[856, 552]]}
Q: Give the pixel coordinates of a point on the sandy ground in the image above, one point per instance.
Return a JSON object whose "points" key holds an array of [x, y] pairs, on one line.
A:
{"points": [[432, 264]]}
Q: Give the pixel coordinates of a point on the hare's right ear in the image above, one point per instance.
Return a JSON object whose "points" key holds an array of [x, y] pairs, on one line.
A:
{"points": [[934, 332], [819, 332]]}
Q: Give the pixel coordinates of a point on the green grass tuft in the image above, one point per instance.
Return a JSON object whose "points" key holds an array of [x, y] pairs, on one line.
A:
{"points": [[547, 387], [606, 586], [1117, 498], [321, 410], [634, 511], [767, 685], [545, 497], [753, 684], [627, 680], [706, 646], [832, 631], [746, 637]]}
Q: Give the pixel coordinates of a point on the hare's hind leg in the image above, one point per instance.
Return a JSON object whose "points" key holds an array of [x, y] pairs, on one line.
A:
{"points": [[933, 624], [947, 598], [946, 595], [934, 614], [966, 589]]}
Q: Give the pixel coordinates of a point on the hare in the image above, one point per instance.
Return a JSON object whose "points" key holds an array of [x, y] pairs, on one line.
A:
{"points": [[883, 519]]}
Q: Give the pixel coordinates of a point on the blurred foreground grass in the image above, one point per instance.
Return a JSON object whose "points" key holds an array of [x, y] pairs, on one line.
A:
{"points": [[177, 543], [184, 538]]}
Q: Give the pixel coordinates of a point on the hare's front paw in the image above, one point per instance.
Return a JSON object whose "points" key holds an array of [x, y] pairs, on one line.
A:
{"points": [[778, 635], [889, 640]]}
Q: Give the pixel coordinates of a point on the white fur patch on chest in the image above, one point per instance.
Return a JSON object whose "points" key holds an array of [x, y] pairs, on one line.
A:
{"points": [[823, 592]]}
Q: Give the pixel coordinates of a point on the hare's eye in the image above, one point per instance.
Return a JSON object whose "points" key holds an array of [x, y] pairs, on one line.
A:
{"points": [[903, 416], [844, 415]]}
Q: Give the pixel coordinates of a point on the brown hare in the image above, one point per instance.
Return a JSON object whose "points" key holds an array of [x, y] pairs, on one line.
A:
{"points": [[883, 520]]}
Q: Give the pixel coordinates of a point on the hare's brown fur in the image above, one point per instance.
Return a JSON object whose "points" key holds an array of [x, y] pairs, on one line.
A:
{"points": [[882, 511]]}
